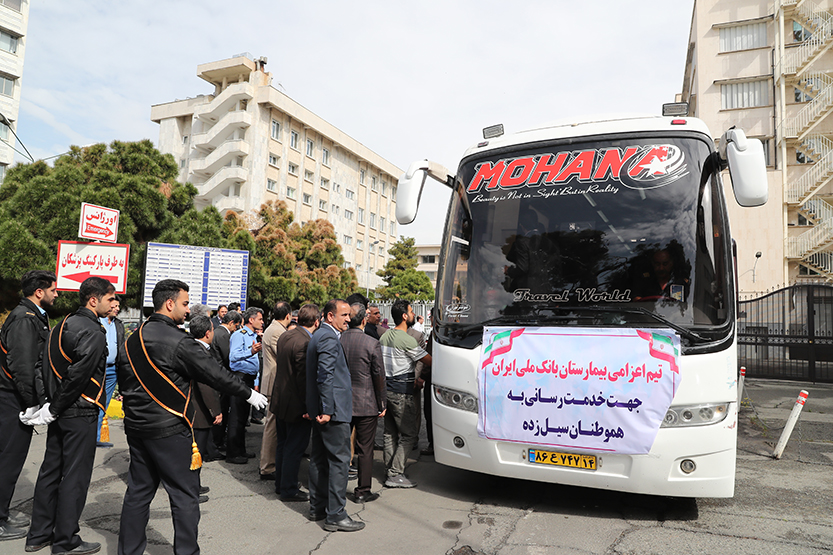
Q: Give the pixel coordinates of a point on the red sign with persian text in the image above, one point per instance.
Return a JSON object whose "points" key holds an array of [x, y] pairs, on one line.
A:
{"points": [[78, 261], [98, 223]]}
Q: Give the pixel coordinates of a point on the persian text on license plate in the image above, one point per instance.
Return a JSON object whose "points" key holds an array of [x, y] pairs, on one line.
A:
{"points": [[571, 460]]}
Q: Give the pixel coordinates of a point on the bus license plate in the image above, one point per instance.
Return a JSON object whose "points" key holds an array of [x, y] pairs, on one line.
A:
{"points": [[587, 462]]}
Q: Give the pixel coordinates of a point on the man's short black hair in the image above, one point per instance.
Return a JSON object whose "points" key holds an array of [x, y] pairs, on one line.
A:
{"points": [[399, 310], [357, 298], [94, 287], [331, 307], [221, 306], [200, 325], [251, 313], [167, 289], [357, 318], [36, 279], [308, 315], [232, 316], [281, 310], [234, 306]]}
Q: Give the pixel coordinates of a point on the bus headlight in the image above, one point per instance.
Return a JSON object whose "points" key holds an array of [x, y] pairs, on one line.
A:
{"points": [[695, 415], [455, 399]]}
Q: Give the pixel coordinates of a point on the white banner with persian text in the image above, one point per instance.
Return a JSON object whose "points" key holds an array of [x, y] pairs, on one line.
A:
{"points": [[588, 389]]}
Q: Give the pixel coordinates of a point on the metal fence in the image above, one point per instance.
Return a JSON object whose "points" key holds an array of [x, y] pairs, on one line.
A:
{"points": [[420, 309], [788, 334]]}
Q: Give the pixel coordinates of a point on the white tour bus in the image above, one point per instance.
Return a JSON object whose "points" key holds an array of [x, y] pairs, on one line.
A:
{"points": [[612, 230]]}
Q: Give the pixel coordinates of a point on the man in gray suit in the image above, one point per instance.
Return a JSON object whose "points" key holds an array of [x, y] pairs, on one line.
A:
{"points": [[330, 406]]}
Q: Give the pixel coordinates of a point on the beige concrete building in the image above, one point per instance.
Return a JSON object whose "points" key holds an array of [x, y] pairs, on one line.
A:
{"points": [[247, 142], [14, 19], [765, 66], [429, 260]]}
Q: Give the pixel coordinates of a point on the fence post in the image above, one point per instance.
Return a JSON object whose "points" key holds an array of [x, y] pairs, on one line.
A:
{"points": [[740, 385], [788, 429]]}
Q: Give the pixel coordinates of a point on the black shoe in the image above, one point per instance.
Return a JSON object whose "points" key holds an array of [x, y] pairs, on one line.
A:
{"points": [[237, 460], [20, 521], [203, 498], [204, 490], [315, 517], [300, 496], [31, 548], [219, 457], [9, 532], [366, 497], [346, 524], [86, 548], [250, 455], [270, 476]]}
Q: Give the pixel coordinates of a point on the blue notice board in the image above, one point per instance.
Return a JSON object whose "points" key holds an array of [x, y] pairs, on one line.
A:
{"points": [[214, 276]]}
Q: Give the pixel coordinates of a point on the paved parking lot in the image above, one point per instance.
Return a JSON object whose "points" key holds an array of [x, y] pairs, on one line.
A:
{"points": [[780, 506]]}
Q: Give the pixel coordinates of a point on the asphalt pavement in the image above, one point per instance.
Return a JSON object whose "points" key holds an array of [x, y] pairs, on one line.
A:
{"points": [[780, 506]]}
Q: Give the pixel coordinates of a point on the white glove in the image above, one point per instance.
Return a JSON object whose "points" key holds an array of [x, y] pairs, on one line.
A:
{"points": [[28, 414], [257, 400], [42, 417]]}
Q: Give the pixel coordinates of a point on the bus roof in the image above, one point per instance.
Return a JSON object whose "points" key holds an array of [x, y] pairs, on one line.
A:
{"points": [[587, 127]]}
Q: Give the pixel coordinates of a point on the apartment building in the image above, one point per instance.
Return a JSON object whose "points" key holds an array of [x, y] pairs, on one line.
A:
{"points": [[14, 19], [246, 143], [429, 261], [765, 66]]}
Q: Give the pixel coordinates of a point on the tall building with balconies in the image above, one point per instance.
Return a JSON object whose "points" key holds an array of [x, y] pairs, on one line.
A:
{"points": [[247, 143], [14, 19], [765, 66]]}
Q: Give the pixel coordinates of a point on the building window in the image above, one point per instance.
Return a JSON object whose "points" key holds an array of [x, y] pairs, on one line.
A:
{"points": [[6, 85], [4, 131], [348, 214], [271, 185], [325, 183], [372, 220], [748, 94], [374, 184], [307, 199], [325, 157], [811, 145], [322, 205], [766, 143], [800, 34], [273, 160], [393, 228], [276, 130], [13, 4], [429, 259], [290, 193], [185, 139], [293, 139], [347, 264], [382, 224], [802, 220], [801, 96], [350, 194], [292, 168], [359, 244], [384, 188], [337, 187], [348, 240], [335, 210], [361, 177], [181, 163], [361, 215], [309, 176], [310, 148], [358, 267], [743, 37], [372, 248]]}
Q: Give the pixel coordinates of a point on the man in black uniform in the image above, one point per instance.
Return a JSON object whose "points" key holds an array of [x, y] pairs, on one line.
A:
{"points": [[21, 386], [158, 413], [73, 379]]}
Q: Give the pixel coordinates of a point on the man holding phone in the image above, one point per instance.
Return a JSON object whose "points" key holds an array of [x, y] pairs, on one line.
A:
{"points": [[244, 347]]}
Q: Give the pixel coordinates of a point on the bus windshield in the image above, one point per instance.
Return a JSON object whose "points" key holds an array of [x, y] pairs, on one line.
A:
{"points": [[621, 232]]}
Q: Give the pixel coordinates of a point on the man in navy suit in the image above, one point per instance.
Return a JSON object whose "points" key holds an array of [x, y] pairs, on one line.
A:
{"points": [[330, 406]]}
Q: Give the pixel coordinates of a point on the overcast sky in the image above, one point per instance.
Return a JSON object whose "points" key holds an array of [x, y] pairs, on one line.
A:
{"points": [[410, 80]]}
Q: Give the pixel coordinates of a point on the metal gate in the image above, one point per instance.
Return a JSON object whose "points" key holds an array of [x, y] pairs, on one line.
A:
{"points": [[788, 334]]}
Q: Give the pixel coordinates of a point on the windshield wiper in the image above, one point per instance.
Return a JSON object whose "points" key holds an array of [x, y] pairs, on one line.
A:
{"points": [[688, 334]]}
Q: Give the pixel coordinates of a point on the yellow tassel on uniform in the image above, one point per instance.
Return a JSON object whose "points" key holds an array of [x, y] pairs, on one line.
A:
{"points": [[196, 458], [105, 430]]}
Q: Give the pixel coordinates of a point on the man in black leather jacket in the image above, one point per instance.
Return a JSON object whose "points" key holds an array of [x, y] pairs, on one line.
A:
{"points": [[21, 386], [73, 378], [168, 360]]}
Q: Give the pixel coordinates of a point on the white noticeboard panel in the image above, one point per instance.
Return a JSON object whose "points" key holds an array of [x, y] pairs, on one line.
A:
{"points": [[214, 276], [98, 223], [77, 261]]}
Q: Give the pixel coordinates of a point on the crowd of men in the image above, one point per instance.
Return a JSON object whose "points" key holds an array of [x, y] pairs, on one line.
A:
{"points": [[323, 377]]}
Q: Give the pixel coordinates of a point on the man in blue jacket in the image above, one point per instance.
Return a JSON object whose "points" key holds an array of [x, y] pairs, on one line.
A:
{"points": [[330, 406]]}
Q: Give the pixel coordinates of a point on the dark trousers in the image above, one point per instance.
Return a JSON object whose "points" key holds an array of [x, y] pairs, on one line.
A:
{"points": [[293, 438], [218, 431], [63, 482], [329, 462], [365, 435], [165, 460], [206, 446], [15, 438], [238, 414]]}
